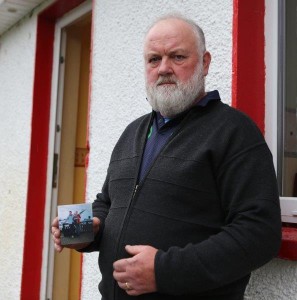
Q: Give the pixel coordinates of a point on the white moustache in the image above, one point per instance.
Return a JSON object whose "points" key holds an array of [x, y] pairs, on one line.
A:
{"points": [[164, 80]]}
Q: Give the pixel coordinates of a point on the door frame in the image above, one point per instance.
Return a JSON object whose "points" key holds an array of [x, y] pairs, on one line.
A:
{"points": [[56, 109], [38, 218]]}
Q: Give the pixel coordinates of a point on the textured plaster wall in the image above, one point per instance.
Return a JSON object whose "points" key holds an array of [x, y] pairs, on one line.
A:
{"points": [[276, 280], [17, 51], [118, 97], [118, 94]]}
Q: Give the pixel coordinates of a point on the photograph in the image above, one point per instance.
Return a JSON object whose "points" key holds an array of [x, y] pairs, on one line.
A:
{"points": [[76, 223]]}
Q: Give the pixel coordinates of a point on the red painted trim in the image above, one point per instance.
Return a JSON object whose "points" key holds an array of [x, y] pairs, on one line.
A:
{"points": [[36, 195], [248, 74], [289, 244], [33, 242], [60, 8]]}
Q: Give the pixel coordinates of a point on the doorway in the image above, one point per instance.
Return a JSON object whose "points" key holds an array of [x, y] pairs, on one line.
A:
{"points": [[70, 148]]}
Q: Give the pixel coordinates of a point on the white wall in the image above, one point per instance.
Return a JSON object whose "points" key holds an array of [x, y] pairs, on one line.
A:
{"points": [[118, 97], [276, 280], [17, 54], [118, 94]]}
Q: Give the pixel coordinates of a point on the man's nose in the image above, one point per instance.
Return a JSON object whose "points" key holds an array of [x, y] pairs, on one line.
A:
{"points": [[165, 67]]}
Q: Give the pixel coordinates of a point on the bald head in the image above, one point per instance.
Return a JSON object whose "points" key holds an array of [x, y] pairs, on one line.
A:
{"points": [[196, 30]]}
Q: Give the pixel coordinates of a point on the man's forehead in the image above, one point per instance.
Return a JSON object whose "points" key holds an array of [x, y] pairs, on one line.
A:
{"points": [[164, 28], [155, 42], [159, 37], [168, 31]]}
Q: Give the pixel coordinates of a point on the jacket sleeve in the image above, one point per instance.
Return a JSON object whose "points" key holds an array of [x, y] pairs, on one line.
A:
{"points": [[249, 238]]}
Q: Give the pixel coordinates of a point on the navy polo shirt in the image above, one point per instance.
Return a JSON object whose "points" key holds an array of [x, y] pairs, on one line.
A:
{"points": [[160, 131]]}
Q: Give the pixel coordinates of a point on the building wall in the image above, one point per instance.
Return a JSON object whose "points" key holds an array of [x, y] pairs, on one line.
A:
{"points": [[117, 97], [17, 53], [277, 280]]}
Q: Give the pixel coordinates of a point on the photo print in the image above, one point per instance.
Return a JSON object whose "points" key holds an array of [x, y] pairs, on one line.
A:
{"points": [[76, 223]]}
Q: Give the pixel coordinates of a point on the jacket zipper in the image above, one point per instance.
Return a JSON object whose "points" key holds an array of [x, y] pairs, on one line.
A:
{"points": [[126, 217]]}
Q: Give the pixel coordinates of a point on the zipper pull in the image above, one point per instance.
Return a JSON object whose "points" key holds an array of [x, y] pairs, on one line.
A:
{"points": [[135, 190]]}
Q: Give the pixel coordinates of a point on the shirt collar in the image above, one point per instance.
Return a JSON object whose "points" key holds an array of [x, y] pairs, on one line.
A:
{"points": [[210, 96]]}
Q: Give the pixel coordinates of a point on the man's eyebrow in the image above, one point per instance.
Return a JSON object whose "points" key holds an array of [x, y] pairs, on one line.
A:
{"points": [[180, 50], [173, 51], [151, 53]]}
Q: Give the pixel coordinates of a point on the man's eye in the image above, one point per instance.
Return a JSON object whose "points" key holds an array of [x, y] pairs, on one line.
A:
{"points": [[154, 60], [179, 57]]}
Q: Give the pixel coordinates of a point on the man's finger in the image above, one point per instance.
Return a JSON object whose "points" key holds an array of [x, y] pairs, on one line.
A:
{"points": [[56, 233], [120, 277], [55, 222], [58, 247], [134, 250], [120, 265]]}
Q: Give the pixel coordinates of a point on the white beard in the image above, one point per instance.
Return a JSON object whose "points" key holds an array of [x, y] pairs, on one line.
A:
{"points": [[171, 100]]}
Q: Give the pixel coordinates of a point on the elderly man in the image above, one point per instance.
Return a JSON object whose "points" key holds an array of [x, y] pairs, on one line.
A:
{"points": [[190, 204]]}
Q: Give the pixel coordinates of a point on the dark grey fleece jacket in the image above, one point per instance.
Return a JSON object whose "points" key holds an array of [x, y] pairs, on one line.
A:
{"points": [[209, 203]]}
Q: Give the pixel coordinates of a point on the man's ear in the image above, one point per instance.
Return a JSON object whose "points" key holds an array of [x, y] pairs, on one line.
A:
{"points": [[206, 62]]}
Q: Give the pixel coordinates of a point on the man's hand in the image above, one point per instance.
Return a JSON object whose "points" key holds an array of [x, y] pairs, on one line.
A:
{"points": [[136, 275], [56, 235]]}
